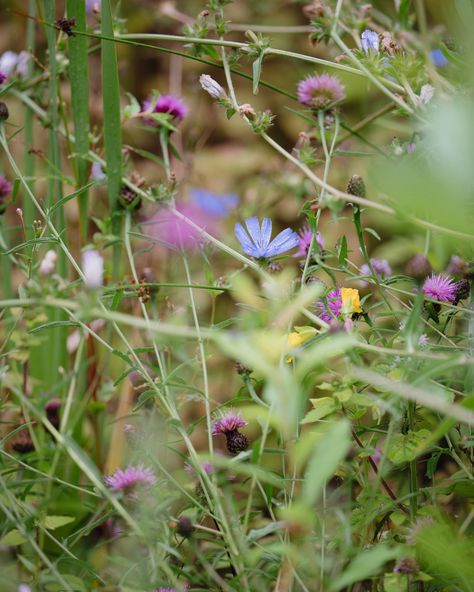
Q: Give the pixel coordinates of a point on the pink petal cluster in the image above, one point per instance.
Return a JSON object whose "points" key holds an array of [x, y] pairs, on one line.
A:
{"points": [[332, 303], [130, 478], [440, 287], [170, 104], [320, 92], [173, 231], [305, 235], [5, 187], [228, 423]]}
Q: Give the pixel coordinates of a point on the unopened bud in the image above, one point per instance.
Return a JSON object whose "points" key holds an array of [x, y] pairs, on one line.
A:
{"points": [[356, 186], [3, 112], [212, 87], [418, 267]]}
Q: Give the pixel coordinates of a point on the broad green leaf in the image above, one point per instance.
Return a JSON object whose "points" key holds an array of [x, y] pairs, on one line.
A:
{"points": [[13, 538], [329, 451], [366, 565], [322, 407], [406, 447]]}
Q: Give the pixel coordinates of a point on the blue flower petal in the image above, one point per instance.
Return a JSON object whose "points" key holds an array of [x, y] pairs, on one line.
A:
{"points": [[286, 240], [243, 238], [266, 233], [253, 226]]}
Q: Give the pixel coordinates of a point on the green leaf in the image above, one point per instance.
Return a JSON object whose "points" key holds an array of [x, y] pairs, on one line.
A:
{"points": [[330, 450], [13, 538], [366, 565], [322, 407], [259, 533], [53, 522], [406, 447], [342, 253]]}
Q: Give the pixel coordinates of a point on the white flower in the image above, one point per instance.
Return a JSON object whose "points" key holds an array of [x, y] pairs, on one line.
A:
{"points": [[97, 173], [426, 94], [212, 87], [93, 268], [48, 264], [14, 63]]}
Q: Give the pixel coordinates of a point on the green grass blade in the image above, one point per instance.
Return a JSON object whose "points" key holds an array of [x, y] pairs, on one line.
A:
{"points": [[112, 128], [79, 80]]}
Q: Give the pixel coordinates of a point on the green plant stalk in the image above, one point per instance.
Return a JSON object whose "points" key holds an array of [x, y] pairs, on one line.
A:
{"points": [[112, 128], [79, 80], [29, 162], [56, 343]]}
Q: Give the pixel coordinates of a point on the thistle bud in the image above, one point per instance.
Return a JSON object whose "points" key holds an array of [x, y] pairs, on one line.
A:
{"points": [[418, 267], [463, 289], [52, 411], [184, 527], [3, 112], [356, 186], [236, 442]]}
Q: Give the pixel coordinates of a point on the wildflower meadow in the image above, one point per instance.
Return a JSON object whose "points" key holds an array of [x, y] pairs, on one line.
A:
{"points": [[236, 321]]}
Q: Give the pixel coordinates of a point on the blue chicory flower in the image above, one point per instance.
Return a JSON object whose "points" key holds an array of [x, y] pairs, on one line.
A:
{"points": [[438, 58], [370, 41], [214, 204], [259, 244]]}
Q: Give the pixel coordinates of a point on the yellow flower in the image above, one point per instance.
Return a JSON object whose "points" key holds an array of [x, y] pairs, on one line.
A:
{"points": [[350, 301], [295, 339]]}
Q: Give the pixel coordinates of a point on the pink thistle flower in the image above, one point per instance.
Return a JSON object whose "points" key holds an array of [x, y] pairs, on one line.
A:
{"points": [[330, 306], [176, 233], [440, 287], [228, 423], [5, 187], [130, 478], [457, 266], [380, 266], [305, 235], [320, 92], [206, 467], [170, 104]]}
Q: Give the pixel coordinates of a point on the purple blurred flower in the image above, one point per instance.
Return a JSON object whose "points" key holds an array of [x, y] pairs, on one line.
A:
{"points": [[380, 266], [93, 268], [330, 306], [130, 478], [92, 6], [440, 287], [214, 204], [176, 232], [97, 173], [411, 147], [5, 187], [228, 423], [206, 467], [3, 77], [370, 41], [24, 588], [320, 92], [212, 87], [423, 340], [170, 104], [305, 236], [259, 244], [438, 58]]}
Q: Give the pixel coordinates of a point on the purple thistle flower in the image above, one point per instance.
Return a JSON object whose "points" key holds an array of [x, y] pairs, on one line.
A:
{"points": [[228, 423], [370, 41], [440, 287], [214, 204], [305, 236], [330, 306], [259, 245], [380, 266], [320, 92], [170, 104], [5, 187], [130, 478]]}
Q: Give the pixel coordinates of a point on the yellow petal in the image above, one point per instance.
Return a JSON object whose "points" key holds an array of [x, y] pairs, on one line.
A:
{"points": [[350, 300]]}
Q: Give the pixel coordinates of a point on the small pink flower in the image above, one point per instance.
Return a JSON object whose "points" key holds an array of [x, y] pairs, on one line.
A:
{"points": [[320, 92], [228, 423], [305, 235], [130, 478], [170, 104], [440, 287]]}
